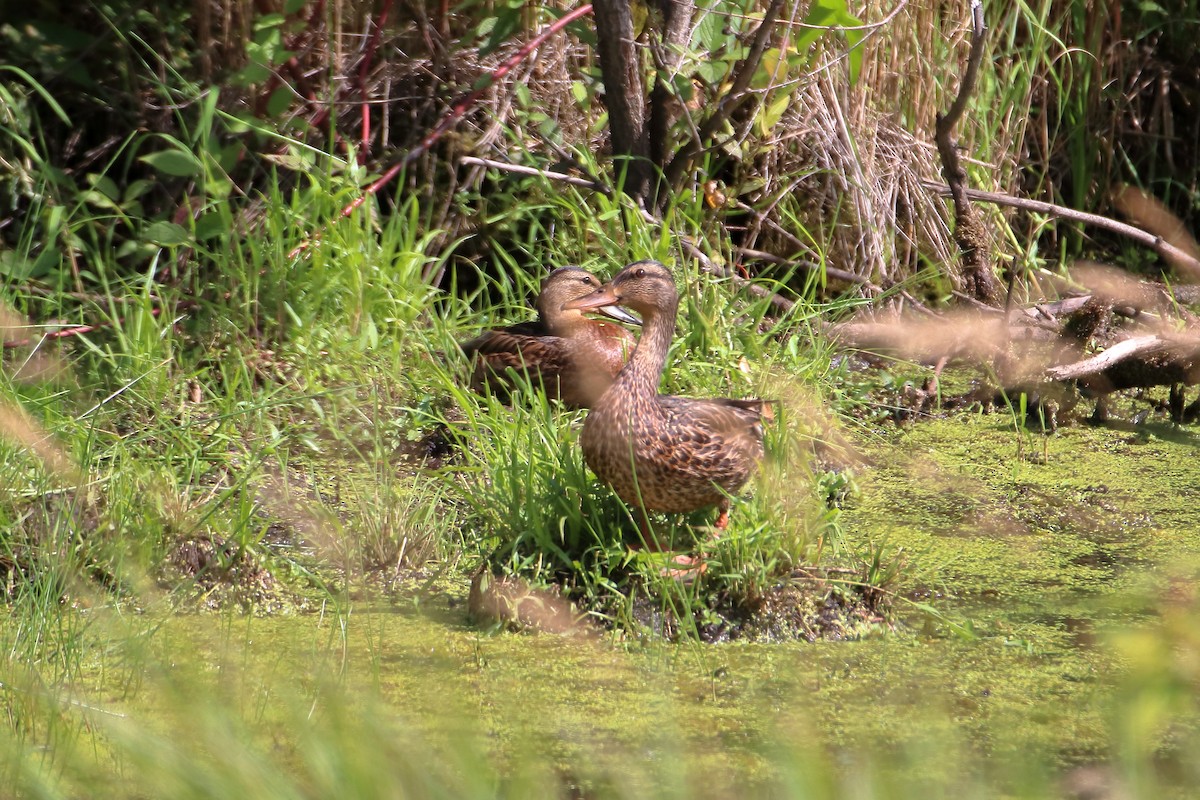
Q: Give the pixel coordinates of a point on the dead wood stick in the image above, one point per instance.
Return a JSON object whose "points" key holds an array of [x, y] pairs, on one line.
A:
{"points": [[624, 94], [959, 105], [807, 266], [1121, 351], [1170, 252], [519, 169], [1068, 305], [969, 232], [707, 265]]}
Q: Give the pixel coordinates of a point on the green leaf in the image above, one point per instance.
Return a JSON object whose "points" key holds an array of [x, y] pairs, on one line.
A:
{"points": [[208, 110], [833, 14], [712, 72], [254, 72], [279, 102], [99, 200], [296, 159], [268, 21], [507, 21], [103, 184], [770, 114], [136, 189], [709, 35], [681, 87], [46, 261], [14, 266], [166, 234], [37, 87], [178, 163], [211, 225], [229, 156]]}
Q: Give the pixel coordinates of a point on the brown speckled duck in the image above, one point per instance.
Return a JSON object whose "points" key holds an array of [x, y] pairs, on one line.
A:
{"points": [[575, 357], [661, 452]]}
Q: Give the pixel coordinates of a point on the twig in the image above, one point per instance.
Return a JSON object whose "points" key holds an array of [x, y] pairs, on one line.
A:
{"points": [[1121, 351], [363, 69], [707, 265], [81, 329], [969, 232], [505, 166], [732, 100], [959, 105], [807, 266], [1164, 248], [457, 111]]}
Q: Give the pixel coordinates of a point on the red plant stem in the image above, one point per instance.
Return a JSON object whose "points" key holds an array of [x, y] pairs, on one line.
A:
{"points": [[363, 69], [457, 110], [80, 329]]}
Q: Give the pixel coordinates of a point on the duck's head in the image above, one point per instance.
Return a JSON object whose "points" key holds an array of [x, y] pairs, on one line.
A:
{"points": [[646, 287], [566, 284]]}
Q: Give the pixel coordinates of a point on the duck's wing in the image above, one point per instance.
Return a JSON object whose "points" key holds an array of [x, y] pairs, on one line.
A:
{"points": [[510, 339], [722, 415], [536, 354], [718, 439]]}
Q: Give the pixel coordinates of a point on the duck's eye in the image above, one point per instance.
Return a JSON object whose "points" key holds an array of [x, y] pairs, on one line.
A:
{"points": [[641, 273]]}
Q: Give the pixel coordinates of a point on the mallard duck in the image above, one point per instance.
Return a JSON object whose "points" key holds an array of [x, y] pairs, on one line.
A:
{"points": [[661, 452], [575, 357]]}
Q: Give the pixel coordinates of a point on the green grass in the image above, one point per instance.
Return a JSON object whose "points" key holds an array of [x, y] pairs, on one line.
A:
{"points": [[245, 430], [267, 430]]}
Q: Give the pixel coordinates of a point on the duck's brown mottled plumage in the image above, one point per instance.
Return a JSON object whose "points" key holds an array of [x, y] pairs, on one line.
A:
{"points": [[574, 357], [662, 452]]}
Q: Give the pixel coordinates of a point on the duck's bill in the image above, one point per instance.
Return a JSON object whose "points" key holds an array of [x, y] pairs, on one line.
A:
{"points": [[619, 314], [601, 298]]}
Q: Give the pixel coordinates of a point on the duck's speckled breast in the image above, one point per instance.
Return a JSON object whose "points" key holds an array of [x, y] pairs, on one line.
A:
{"points": [[664, 461]]}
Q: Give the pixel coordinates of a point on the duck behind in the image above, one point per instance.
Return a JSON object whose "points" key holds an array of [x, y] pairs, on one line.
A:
{"points": [[573, 356]]}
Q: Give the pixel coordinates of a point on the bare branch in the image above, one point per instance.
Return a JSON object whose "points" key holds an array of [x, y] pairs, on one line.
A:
{"points": [[1179, 258], [969, 231], [677, 29], [1121, 351], [624, 95], [734, 98], [807, 266], [562, 177]]}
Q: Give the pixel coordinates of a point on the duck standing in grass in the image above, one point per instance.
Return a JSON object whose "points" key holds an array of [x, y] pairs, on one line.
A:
{"points": [[573, 356], [661, 452]]}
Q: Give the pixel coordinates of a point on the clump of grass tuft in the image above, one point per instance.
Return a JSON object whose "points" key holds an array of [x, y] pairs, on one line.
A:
{"points": [[533, 510]]}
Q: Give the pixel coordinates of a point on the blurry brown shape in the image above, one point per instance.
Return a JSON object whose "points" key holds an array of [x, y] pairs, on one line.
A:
{"points": [[1117, 287], [17, 426], [39, 365], [514, 603], [714, 194], [963, 334], [1150, 213], [11, 323]]}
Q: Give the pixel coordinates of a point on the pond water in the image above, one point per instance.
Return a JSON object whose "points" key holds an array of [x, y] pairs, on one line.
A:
{"points": [[1043, 557]]}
